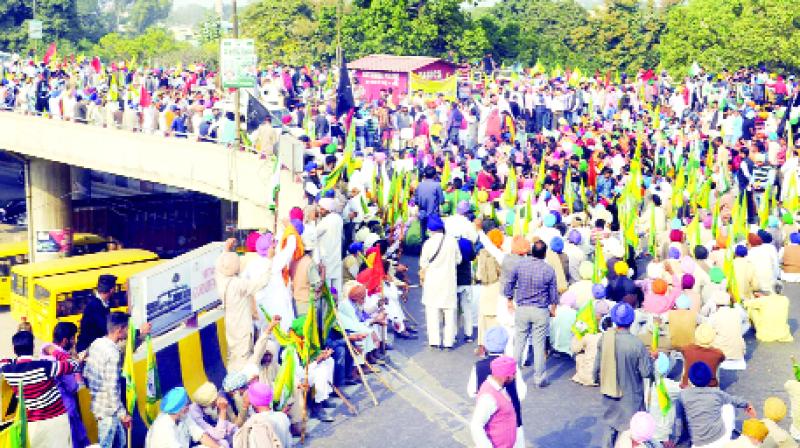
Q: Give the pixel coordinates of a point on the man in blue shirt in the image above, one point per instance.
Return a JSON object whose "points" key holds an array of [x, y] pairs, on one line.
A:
{"points": [[429, 198], [606, 184], [531, 285]]}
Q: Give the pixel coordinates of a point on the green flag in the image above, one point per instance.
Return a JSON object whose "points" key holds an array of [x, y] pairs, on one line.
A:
{"points": [[664, 401], [127, 369], [585, 320], [18, 431], [153, 384]]}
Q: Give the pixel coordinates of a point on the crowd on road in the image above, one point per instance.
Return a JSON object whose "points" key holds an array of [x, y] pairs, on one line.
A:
{"points": [[642, 226]]}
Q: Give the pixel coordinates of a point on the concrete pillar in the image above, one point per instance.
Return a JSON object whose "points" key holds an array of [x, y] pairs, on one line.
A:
{"points": [[49, 208]]}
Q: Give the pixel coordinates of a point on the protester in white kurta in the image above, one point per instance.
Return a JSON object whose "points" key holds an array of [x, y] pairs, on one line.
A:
{"points": [[329, 240], [276, 297], [438, 260], [237, 295]]}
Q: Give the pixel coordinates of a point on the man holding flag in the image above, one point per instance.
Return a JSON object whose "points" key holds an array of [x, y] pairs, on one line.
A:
{"points": [[47, 423]]}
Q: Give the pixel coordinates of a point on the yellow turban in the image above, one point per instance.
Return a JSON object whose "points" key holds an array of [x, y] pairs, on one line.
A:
{"points": [[621, 268], [704, 335], [774, 409], [755, 428], [205, 394]]}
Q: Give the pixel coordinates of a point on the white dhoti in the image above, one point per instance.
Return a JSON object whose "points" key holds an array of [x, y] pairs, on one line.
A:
{"points": [[320, 375], [51, 432], [433, 320]]}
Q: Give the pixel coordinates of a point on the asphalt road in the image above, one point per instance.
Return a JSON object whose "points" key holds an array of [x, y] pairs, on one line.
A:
{"points": [[432, 409]]}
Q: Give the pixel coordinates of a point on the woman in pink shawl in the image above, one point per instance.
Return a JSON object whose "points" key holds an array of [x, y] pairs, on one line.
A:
{"points": [[494, 124]]}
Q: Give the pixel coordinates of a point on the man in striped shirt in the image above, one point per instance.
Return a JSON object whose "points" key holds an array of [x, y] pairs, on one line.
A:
{"points": [[48, 424]]}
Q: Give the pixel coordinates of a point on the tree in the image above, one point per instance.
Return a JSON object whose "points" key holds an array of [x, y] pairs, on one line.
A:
{"points": [[731, 33], [59, 21], [623, 34], [288, 30], [413, 27], [144, 13], [156, 45], [545, 30]]}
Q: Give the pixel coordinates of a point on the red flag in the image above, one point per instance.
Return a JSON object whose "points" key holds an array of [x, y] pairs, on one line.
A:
{"points": [[592, 174], [96, 65], [648, 75], [144, 98], [51, 51], [372, 277]]}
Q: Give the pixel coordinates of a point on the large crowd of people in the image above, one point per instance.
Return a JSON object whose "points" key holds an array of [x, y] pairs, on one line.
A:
{"points": [[642, 226]]}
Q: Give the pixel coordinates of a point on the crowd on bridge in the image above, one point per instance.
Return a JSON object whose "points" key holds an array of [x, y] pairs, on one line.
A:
{"points": [[644, 226]]}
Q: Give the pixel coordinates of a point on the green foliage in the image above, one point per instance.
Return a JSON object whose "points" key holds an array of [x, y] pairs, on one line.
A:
{"points": [[210, 29], [730, 33], [155, 44], [59, 21], [623, 34], [304, 31], [541, 30], [287, 30], [144, 13]]}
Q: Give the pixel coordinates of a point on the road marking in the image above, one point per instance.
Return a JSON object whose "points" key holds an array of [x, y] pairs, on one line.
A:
{"points": [[418, 388]]}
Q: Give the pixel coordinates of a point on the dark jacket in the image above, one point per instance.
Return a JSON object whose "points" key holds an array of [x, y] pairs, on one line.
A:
{"points": [[93, 323]]}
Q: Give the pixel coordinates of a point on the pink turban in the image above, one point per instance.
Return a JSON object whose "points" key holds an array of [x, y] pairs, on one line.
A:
{"points": [[527, 184], [708, 221], [643, 427], [260, 394], [569, 298], [658, 303], [504, 367], [296, 213], [250, 242], [264, 243], [380, 156]]}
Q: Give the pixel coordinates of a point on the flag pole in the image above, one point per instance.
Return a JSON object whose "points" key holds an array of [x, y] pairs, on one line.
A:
{"points": [[355, 359]]}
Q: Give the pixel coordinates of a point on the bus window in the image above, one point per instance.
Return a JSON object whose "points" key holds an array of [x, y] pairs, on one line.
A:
{"points": [[5, 267], [118, 299], [42, 295], [73, 303], [19, 285]]}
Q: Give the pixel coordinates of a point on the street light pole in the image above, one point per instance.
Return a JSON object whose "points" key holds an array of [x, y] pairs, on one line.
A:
{"points": [[236, 97]]}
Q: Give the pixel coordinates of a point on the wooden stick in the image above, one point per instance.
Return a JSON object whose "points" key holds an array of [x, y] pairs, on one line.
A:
{"points": [[408, 314], [346, 402], [378, 375], [355, 358], [305, 409]]}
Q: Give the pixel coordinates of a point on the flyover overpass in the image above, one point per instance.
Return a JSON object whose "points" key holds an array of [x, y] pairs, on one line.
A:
{"points": [[238, 176]]}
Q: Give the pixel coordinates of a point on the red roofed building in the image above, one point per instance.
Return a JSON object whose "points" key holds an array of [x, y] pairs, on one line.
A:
{"points": [[383, 72]]}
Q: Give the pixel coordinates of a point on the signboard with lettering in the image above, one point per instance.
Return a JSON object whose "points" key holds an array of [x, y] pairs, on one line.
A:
{"points": [[176, 290], [34, 29], [238, 63]]}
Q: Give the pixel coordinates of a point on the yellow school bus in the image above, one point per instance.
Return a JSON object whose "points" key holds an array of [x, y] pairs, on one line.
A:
{"points": [[62, 298], [23, 276], [12, 254]]}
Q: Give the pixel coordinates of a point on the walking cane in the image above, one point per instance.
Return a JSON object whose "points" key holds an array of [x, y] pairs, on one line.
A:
{"points": [[346, 402], [353, 354], [305, 409]]}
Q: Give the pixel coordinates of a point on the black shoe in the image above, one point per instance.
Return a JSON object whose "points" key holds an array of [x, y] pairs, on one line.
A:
{"points": [[328, 404], [350, 382], [411, 329], [468, 340], [406, 335], [321, 414]]}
